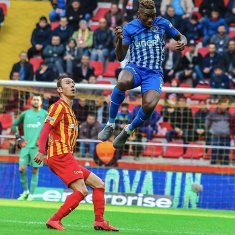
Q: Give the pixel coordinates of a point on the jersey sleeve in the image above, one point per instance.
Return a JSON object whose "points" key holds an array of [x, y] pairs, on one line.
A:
{"points": [[55, 113], [170, 30], [17, 122], [126, 37]]}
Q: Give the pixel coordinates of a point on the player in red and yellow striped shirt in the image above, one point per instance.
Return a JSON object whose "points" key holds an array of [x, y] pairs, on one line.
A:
{"points": [[63, 136], [62, 128]]}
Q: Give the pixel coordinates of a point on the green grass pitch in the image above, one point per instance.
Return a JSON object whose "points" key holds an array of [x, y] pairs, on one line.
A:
{"points": [[28, 218]]}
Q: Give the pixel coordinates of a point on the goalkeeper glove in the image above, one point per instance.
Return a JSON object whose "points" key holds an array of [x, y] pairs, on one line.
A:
{"points": [[20, 141]]}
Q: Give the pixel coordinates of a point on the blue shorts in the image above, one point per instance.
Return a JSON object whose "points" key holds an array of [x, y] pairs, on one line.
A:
{"points": [[147, 78]]}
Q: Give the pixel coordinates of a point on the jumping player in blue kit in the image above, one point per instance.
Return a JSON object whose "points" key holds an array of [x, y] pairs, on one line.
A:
{"points": [[144, 37]]}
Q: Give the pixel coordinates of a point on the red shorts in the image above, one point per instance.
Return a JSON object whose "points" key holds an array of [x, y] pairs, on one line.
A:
{"points": [[67, 168]]}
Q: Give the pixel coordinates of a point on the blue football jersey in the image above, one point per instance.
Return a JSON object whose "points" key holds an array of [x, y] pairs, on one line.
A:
{"points": [[147, 45]]}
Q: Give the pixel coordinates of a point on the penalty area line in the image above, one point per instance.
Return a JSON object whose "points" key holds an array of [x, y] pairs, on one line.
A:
{"points": [[121, 229]]}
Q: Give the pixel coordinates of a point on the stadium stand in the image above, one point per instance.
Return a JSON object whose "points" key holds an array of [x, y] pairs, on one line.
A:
{"points": [[106, 70]]}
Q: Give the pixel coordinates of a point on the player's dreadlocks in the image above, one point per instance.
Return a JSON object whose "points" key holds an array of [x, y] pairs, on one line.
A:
{"points": [[147, 4]]}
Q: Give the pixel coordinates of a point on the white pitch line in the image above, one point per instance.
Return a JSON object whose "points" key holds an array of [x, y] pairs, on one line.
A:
{"points": [[121, 229]]}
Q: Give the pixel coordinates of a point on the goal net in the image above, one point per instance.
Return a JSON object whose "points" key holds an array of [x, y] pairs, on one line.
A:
{"points": [[182, 157]]}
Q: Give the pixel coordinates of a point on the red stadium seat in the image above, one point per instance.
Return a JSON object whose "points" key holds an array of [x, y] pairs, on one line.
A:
{"points": [[198, 3], [162, 125], [232, 154], [194, 153], [6, 120], [167, 84], [174, 151], [202, 86], [199, 40], [212, 108], [106, 92], [100, 13], [166, 125], [232, 33], [201, 96], [232, 25], [194, 109], [28, 104], [153, 150], [54, 25], [36, 63], [110, 70], [93, 27], [131, 106], [4, 8], [226, 2], [197, 13], [203, 51], [207, 156], [232, 110], [98, 66], [187, 95], [186, 49]]}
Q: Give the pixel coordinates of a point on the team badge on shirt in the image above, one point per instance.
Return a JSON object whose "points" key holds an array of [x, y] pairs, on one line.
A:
{"points": [[154, 28]]}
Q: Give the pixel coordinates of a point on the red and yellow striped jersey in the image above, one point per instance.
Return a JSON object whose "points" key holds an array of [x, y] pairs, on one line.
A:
{"points": [[63, 136]]}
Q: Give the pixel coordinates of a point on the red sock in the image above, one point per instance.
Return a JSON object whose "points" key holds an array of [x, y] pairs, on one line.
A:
{"points": [[69, 205], [98, 201]]}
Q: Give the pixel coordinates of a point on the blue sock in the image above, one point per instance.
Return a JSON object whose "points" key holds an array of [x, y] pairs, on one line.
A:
{"points": [[117, 98], [138, 120]]}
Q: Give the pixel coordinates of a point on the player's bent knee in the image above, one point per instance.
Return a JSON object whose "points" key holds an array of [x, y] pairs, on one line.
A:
{"points": [[125, 83], [84, 192], [101, 185], [148, 107], [22, 169], [122, 85]]}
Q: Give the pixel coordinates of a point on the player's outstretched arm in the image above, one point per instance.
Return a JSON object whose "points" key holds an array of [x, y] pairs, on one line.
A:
{"points": [[42, 143], [181, 41], [121, 48]]}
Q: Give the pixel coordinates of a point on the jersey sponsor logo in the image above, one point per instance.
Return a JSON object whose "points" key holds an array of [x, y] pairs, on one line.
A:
{"points": [[73, 126], [77, 172], [149, 43], [50, 118], [38, 124]]}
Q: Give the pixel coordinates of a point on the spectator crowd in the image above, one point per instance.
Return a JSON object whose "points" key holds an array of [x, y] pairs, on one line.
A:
{"points": [[210, 41]]}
